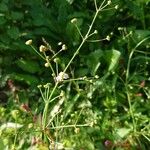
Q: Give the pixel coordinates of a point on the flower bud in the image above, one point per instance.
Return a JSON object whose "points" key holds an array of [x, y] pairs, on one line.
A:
{"points": [[117, 6], [29, 42], [56, 60], [108, 38], [39, 86], [46, 65], [95, 31], [109, 2], [60, 43], [43, 48], [74, 20], [64, 47]]}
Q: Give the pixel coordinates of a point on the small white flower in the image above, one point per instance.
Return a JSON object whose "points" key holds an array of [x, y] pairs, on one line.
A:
{"points": [[60, 43], [109, 2], [61, 76], [120, 28], [95, 31], [108, 38], [117, 6], [74, 20], [43, 48], [64, 47], [46, 64], [29, 42]]}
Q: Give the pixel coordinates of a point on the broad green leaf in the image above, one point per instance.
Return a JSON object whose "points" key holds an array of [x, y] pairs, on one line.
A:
{"points": [[28, 65], [81, 72], [143, 1], [140, 34], [93, 61], [2, 146], [29, 79], [122, 132], [112, 58], [13, 32], [3, 7], [135, 9], [70, 105], [2, 20], [16, 15]]}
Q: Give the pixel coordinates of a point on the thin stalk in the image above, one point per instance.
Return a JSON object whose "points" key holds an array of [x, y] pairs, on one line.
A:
{"points": [[42, 94], [127, 80], [130, 57], [79, 31], [68, 126], [95, 3], [45, 112], [146, 137], [16, 135], [85, 38], [52, 69], [130, 109], [38, 52], [75, 54], [44, 118], [56, 54]]}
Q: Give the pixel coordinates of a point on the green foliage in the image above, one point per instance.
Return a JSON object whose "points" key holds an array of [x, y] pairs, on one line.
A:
{"points": [[93, 86]]}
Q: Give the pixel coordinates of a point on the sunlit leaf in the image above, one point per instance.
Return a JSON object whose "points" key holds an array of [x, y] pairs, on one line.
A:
{"points": [[122, 132], [112, 58], [28, 65]]}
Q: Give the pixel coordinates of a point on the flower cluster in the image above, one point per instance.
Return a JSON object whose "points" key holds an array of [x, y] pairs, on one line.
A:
{"points": [[61, 76]]}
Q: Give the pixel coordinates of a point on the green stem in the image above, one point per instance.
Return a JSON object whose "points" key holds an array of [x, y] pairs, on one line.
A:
{"points": [[38, 53], [130, 109], [83, 40], [127, 80], [44, 118], [45, 112], [68, 126], [130, 57]]}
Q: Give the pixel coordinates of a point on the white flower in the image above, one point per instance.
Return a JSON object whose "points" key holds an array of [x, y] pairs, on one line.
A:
{"points": [[61, 76], [117, 6], [64, 47], [43, 48], [108, 38], [29, 42], [109, 2]]}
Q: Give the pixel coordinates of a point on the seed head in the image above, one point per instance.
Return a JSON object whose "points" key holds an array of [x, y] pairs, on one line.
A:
{"points": [[43, 48], [29, 42], [108, 38], [60, 43], [47, 65], [39, 86], [56, 60], [109, 2], [117, 6], [120, 28], [64, 47], [95, 31], [96, 76], [74, 20], [61, 76]]}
